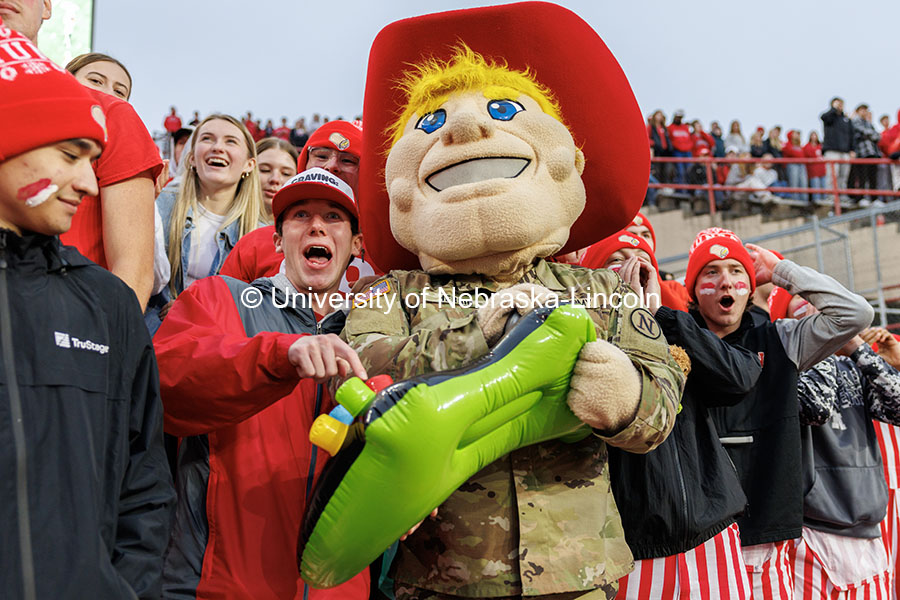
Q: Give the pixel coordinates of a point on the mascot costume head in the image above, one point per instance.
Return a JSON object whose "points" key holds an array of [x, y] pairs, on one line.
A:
{"points": [[477, 160]]}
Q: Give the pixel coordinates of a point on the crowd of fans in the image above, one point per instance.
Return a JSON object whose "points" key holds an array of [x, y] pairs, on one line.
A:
{"points": [[844, 138], [785, 374]]}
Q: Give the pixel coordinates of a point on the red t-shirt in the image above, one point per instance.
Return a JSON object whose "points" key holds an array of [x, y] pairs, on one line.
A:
{"points": [[129, 152], [283, 133], [172, 123]]}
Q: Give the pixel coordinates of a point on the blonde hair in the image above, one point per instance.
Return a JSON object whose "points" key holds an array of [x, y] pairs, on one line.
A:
{"points": [[246, 208], [279, 144], [83, 60], [428, 85]]}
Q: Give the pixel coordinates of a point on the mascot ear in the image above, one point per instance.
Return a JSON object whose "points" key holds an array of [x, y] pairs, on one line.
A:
{"points": [[579, 161]]}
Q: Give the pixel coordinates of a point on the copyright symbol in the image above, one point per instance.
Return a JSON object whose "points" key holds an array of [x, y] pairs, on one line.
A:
{"points": [[251, 297]]}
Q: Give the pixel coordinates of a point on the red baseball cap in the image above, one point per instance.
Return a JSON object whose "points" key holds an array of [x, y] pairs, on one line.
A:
{"points": [[314, 184], [340, 135], [40, 103], [564, 54]]}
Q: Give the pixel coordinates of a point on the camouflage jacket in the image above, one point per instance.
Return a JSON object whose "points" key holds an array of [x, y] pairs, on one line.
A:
{"points": [[542, 519]]}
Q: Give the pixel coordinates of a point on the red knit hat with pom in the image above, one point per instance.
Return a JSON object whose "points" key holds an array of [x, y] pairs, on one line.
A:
{"points": [[641, 219], [778, 303], [597, 254], [40, 103], [712, 244]]}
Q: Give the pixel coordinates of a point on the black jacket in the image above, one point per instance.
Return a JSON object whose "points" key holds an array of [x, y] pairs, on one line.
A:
{"points": [[86, 484], [838, 131], [686, 490]]}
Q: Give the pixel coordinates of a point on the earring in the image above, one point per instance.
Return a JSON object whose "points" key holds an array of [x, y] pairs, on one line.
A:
{"points": [[244, 175]]}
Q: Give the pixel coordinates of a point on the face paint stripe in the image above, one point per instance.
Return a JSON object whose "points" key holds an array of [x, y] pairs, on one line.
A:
{"points": [[36, 193]]}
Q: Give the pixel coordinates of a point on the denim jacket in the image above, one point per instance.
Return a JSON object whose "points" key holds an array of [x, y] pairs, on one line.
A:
{"points": [[225, 239]]}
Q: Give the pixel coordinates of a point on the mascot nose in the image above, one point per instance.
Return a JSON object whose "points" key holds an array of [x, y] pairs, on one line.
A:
{"points": [[466, 126]]}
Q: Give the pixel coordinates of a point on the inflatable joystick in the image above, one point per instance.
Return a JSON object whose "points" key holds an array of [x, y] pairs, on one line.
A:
{"points": [[329, 432]]}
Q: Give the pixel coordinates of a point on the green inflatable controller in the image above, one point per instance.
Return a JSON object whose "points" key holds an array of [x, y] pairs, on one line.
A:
{"points": [[418, 440]]}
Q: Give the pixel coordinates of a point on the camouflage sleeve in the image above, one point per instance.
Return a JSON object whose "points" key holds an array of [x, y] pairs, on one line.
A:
{"points": [[637, 333], [817, 392], [881, 385], [391, 338]]}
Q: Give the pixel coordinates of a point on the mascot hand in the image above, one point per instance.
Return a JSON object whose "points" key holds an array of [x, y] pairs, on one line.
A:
{"points": [[522, 297], [605, 387]]}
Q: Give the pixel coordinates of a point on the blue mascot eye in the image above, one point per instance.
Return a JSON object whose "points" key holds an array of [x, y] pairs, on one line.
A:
{"points": [[432, 121], [504, 110]]}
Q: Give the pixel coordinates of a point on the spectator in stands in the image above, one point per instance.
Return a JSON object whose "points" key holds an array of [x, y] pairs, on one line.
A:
{"points": [[815, 172], [885, 122], [772, 145], [762, 433], [315, 123], [763, 176], [757, 147], [172, 122], [724, 168], [890, 147], [299, 135], [838, 143], [701, 140], [685, 494], [195, 120], [87, 498], [283, 131], [241, 386], [277, 161], [739, 172], [259, 132], [180, 139], [796, 172], [218, 202], [116, 229], [103, 73], [251, 125], [865, 145], [682, 144], [716, 132], [269, 129], [736, 138], [660, 144]]}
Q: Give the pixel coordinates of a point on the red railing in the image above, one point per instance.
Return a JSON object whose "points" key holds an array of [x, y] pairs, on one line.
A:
{"points": [[711, 188]]}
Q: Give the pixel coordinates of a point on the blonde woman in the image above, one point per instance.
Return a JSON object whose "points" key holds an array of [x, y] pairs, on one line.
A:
{"points": [[218, 201]]}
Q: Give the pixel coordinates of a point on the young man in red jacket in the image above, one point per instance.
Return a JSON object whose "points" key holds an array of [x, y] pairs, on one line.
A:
{"points": [[682, 143], [241, 373]]}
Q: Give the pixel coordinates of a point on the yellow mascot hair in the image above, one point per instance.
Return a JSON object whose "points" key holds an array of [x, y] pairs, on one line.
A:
{"points": [[429, 84]]}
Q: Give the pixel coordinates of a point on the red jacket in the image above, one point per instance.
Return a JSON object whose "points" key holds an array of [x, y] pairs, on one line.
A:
{"points": [[788, 150], [172, 123], [246, 460], [814, 169], [681, 137]]}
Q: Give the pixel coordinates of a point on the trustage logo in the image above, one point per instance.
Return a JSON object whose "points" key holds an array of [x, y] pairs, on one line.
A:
{"points": [[63, 340]]}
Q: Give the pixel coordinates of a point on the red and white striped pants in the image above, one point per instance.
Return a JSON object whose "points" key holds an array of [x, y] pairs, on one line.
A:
{"points": [[713, 570], [770, 570], [811, 581], [890, 533]]}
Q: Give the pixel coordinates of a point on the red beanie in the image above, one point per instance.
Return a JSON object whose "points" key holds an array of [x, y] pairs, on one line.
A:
{"points": [[712, 244], [40, 103], [641, 219], [778, 303], [340, 135], [597, 254]]}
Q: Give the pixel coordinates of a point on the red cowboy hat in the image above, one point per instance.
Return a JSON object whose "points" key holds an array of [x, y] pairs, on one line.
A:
{"points": [[565, 55]]}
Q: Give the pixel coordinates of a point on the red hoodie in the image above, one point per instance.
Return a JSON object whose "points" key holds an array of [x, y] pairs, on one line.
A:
{"points": [[681, 137], [814, 169], [702, 140]]}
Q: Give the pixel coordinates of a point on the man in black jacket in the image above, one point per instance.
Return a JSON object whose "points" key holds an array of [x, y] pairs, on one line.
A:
{"points": [[85, 507], [838, 142], [762, 433]]}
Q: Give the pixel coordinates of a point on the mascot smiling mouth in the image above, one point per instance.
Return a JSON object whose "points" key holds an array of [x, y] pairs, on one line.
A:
{"points": [[474, 170]]}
